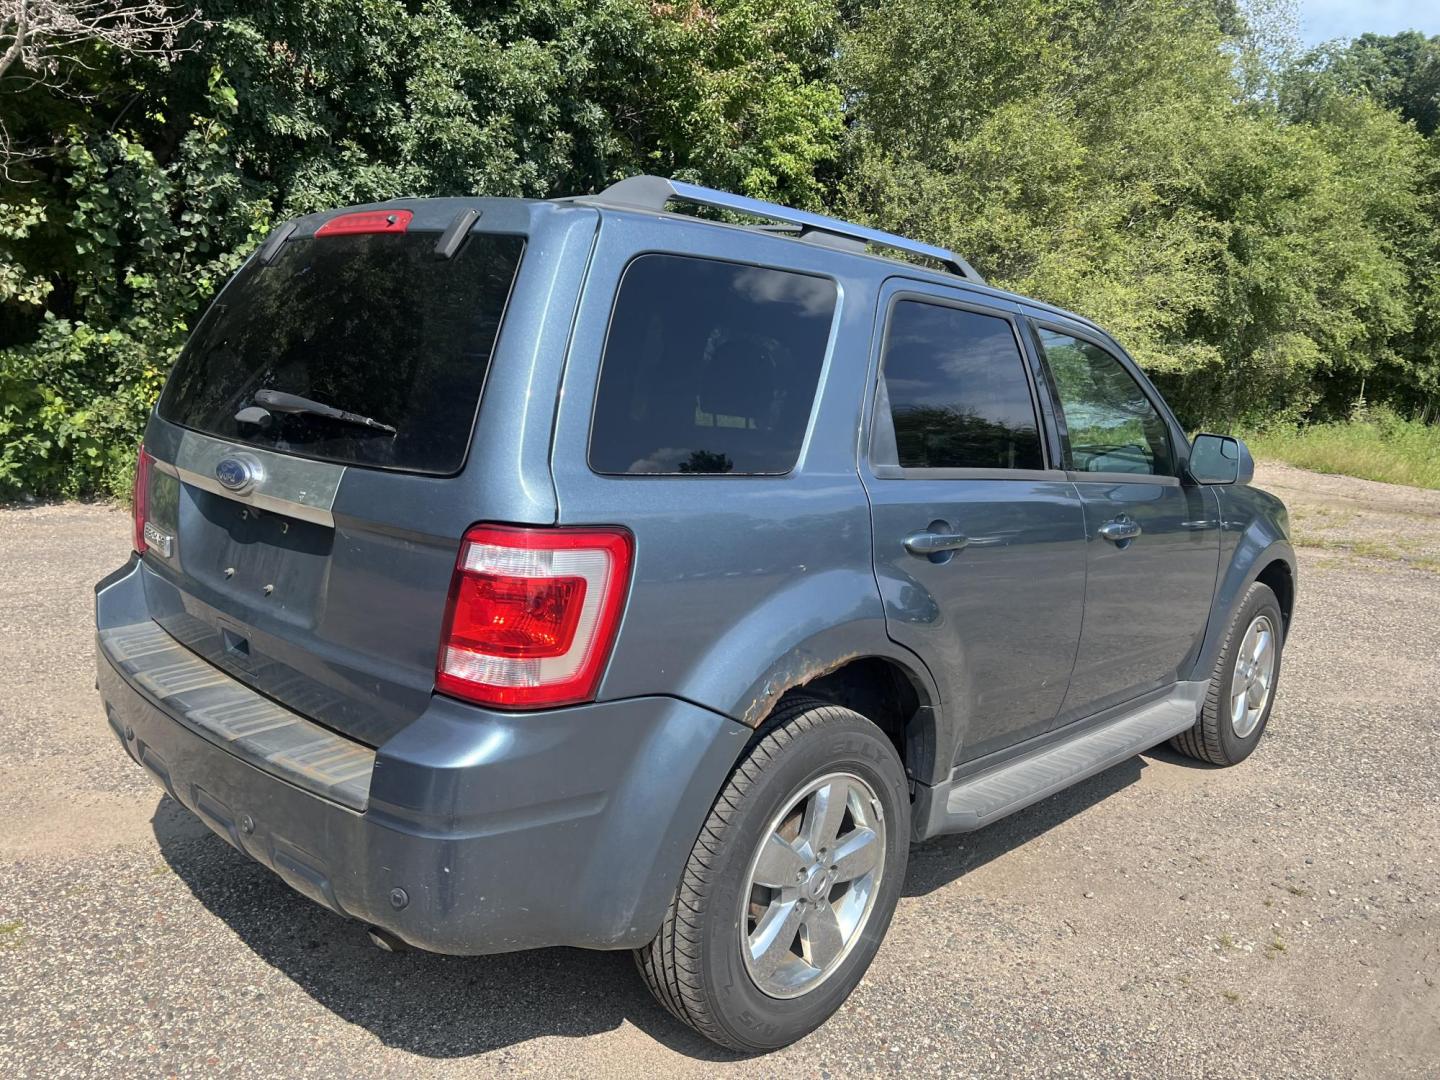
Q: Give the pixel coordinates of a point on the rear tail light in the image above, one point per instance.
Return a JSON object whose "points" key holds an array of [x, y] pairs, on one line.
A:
{"points": [[532, 614], [140, 500]]}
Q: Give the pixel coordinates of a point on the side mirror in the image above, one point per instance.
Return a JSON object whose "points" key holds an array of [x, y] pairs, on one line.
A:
{"points": [[1220, 459]]}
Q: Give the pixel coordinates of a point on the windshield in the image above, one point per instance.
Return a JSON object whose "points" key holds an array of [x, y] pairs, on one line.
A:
{"points": [[372, 324]]}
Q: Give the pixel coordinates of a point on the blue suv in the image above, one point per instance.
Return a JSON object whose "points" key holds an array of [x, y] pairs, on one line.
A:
{"points": [[518, 573]]}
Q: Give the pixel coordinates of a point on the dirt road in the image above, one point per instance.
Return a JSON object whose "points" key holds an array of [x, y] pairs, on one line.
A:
{"points": [[1282, 918]]}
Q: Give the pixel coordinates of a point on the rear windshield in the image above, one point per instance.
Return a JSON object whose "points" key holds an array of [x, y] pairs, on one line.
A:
{"points": [[374, 324]]}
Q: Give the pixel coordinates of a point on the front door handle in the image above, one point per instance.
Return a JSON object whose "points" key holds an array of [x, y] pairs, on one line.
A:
{"points": [[933, 543], [1120, 529]]}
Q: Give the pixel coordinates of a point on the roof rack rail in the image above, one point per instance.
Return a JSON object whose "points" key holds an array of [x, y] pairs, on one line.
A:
{"points": [[654, 192]]}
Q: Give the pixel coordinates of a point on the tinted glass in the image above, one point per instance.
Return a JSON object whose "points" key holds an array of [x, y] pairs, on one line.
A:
{"points": [[709, 367], [372, 324], [1113, 426], [958, 392]]}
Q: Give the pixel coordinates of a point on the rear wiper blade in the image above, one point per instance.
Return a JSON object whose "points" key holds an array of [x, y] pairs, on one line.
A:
{"points": [[279, 401]]}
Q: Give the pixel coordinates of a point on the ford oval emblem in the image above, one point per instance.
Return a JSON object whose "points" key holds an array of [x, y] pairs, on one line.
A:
{"points": [[235, 474]]}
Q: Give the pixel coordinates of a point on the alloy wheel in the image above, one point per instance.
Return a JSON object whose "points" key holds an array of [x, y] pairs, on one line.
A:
{"points": [[1254, 676], [812, 884]]}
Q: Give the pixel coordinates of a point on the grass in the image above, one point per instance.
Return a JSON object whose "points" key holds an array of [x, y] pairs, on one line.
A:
{"points": [[1382, 447], [10, 933], [1401, 550]]}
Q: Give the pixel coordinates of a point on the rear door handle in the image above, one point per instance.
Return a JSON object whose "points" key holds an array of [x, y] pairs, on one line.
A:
{"points": [[1120, 529], [932, 543]]}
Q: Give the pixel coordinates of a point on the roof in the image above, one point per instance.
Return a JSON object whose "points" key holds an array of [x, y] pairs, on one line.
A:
{"points": [[654, 193]]}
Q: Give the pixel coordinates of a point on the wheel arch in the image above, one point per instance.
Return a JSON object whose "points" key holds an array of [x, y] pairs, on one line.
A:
{"points": [[892, 694], [1280, 577], [823, 635], [1259, 555]]}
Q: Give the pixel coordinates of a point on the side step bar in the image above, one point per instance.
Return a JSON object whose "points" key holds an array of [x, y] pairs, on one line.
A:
{"points": [[972, 802]]}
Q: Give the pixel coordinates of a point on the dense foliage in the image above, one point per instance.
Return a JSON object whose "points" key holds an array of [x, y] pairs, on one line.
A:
{"points": [[1262, 260], [1259, 227]]}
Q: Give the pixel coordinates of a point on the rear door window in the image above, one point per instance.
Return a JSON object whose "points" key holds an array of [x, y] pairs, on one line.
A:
{"points": [[373, 324], [709, 367], [958, 393]]}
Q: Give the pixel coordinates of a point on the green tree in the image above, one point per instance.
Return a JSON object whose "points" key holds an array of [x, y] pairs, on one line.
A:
{"points": [[154, 179], [1109, 158], [1261, 231], [1399, 72], [1325, 90]]}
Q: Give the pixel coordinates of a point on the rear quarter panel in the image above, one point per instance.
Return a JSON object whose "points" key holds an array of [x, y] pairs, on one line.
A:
{"points": [[743, 586]]}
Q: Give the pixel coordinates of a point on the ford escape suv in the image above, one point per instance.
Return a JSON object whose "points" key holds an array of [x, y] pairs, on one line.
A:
{"points": [[519, 573]]}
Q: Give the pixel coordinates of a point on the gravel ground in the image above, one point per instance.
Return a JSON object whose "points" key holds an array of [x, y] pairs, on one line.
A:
{"points": [[1282, 918]]}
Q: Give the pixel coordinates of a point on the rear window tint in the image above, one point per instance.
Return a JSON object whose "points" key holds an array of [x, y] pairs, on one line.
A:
{"points": [[709, 367], [372, 324], [958, 393]]}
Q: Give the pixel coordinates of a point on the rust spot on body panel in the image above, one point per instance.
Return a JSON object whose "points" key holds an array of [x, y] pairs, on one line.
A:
{"points": [[799, 670]]}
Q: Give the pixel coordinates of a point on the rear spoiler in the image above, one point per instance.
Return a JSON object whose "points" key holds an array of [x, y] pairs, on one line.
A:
{"points": [[445, 247]]}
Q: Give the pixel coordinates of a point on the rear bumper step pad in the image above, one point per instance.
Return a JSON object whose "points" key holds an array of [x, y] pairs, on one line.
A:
{"points": [[228, 713]]}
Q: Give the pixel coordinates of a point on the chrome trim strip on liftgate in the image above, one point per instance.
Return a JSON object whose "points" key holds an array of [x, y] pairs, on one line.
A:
{"points": [[293, 486]]}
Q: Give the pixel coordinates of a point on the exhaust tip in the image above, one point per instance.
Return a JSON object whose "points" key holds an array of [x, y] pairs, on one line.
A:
{"points": [[383, 939]]}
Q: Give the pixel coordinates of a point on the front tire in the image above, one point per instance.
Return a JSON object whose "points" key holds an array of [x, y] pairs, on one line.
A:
{"points": [[1242, 686], [791, 885]]}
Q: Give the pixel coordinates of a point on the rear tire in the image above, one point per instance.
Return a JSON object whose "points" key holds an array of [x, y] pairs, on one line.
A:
{"points": [[1238, 702], [755, 966]]}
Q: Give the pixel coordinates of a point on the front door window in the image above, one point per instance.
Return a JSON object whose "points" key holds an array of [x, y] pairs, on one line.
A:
{"points": [[1113, 427]]}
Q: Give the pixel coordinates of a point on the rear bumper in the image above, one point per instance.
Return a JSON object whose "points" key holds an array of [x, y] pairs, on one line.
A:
{"points": [[483, 831]]}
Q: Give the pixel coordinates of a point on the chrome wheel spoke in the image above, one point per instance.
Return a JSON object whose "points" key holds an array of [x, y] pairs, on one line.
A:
{"points": [[1265, 662], [779, 866], [1259, 690], [856, 855], [823, 815], [1239, 690], [1261, 646], [771, 941], [821, 936]]}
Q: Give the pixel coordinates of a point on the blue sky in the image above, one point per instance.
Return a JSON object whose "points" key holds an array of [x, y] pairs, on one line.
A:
{"points": [[1321, 20]]}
